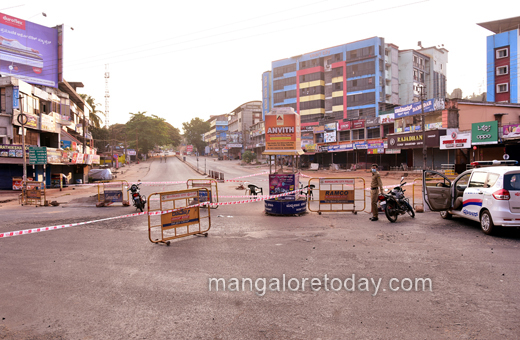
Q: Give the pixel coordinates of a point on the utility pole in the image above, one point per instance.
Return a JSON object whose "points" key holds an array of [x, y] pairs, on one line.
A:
{"points": [[22, 119], [137, 144], [424, 154]]}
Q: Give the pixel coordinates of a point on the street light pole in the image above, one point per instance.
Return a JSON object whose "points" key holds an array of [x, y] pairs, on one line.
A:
{"points": [[23, 121], [424, 153]]}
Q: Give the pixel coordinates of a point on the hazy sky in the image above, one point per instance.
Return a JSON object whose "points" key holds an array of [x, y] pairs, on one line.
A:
{"points": [[180, 60]]}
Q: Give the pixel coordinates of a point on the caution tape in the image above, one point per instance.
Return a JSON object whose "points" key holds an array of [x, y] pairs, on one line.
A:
{"points": [[56, 227], [258, 174]]}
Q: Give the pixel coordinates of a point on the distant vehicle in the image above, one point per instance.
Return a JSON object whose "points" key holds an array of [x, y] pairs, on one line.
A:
{"points": [[489, 195]]}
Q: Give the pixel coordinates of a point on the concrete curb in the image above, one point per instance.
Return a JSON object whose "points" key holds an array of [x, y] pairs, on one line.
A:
{"points": [[200, 172]]}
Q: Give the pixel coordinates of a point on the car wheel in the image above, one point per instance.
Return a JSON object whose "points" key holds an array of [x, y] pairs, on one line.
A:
{"points": [[486, 223], [446, 215]]}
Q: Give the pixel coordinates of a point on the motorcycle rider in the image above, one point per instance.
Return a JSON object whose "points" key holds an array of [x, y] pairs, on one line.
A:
{"points": [[375, 186]]}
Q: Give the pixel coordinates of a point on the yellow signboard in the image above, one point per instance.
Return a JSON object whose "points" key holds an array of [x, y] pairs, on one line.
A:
{"points": [[180, 218], [337, 196]]}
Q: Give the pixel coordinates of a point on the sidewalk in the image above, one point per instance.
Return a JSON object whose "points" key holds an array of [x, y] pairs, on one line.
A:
{"points": [[129, 173]]}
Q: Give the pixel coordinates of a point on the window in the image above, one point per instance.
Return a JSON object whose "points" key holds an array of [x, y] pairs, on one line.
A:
{"points": [[501, 70], [415, 75], [512, 182], [344, 135], [501, 88], [502, 53], [374, 133], [491, 180], [478, 180], [354, 82]]}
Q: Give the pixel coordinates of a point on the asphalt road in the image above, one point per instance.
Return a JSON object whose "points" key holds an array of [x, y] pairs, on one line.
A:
{"points": [[106, 280]]}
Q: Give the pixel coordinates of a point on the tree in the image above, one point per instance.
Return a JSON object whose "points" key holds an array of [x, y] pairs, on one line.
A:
{"points": [[248, 156], [193, 132], [93, 115], [144, 132]]}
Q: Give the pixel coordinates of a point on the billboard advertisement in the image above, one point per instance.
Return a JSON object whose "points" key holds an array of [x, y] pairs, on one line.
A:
{"points": [[28, 51], [282, 183], [266, 90], [415, 108], [282, 132], [484, 133], [511, 131]]}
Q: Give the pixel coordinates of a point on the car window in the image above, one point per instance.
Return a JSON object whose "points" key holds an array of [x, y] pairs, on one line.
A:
{"points": [[463, 181], [491, 180], [477, 180], [512, 182]]}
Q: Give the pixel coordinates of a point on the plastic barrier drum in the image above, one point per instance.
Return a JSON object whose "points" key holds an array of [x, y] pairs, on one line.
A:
{"points": [[337, 194], [210, 184], [177, 214], [34, 194], [112, 191]]}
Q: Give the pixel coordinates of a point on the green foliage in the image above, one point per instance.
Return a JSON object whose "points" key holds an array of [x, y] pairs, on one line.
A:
{"points": [[145, 132], [248, 156], [93, 115], [193, 132]]}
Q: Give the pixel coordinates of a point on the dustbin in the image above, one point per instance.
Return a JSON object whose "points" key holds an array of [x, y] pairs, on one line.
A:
{"points": [[184, 158]]}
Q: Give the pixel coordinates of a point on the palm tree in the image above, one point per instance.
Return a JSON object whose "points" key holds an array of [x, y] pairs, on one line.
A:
{"points": [[93, 117]]}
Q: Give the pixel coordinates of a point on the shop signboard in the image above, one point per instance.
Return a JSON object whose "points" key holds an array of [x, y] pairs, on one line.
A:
{"points": [[12, 150], [329, 137], [361, 145], [230, 146], [282, 183], [455, 141], [33, 121], [387, 119], [189, 148], [344, 126], [37, 155], [113, 196], [484, 133], [330, 127], [415, 140], [48, 123], [180, 218], [318, 129], [310, 147], [282, 131], [358, 124], [415, 108], [511, 131], [377, 151], [337, 196], [341, 147]]}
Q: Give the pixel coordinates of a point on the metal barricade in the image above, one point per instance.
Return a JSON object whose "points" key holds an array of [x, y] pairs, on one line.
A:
{"points": [[34, 194], [172, 215], [337, 194], [112, 191], [210, 184]]}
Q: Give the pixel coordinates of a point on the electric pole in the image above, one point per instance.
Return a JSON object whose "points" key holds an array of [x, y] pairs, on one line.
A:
{"points": [[423, 129]]}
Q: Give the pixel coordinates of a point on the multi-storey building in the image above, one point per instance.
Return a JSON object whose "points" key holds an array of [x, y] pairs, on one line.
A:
{"points": [[216, 136], [341, 91], [502, 60], [57, 120], [257, 139], [422, 70], [239, 121]]}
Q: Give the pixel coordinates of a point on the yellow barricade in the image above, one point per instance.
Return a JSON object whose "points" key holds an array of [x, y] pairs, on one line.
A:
{"points": [[34, 194], [173, 215], [337, 194], [208, 183], [112, 191]]}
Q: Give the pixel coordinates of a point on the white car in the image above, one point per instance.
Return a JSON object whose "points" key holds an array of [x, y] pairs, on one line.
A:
{"points": [[489, 195]]}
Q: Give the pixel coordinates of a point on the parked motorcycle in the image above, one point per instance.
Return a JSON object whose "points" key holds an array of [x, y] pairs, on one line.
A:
{"points": [[138, 199], [395, 203]]}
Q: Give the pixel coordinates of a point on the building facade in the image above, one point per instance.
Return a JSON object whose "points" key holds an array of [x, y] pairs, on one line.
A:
{"points": [[502, 60], [239, 122], [57, 121]]}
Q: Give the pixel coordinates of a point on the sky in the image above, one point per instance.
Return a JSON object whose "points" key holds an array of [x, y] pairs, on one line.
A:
{"points": [[181, 60]]}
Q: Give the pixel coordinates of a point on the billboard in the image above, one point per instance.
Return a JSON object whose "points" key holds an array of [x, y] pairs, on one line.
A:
{"points": [[415, 108], [484, 133], [282, 131], [29, 51]]}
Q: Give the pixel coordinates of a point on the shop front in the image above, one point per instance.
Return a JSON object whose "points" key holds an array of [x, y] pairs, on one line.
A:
{"points": [[412, 145]]}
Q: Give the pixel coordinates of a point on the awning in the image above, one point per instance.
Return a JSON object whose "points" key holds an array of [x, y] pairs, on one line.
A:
{"points": [[67, 136], [283, 152]]}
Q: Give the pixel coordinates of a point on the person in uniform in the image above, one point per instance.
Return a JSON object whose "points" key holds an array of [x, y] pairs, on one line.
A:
{"points": [[376, 185]]}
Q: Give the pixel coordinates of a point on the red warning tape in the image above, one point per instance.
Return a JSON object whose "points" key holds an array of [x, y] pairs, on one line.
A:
{"points": [[56, 227]]}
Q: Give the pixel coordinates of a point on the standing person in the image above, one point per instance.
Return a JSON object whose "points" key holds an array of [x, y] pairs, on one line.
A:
{"points": [[375, 186]]}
